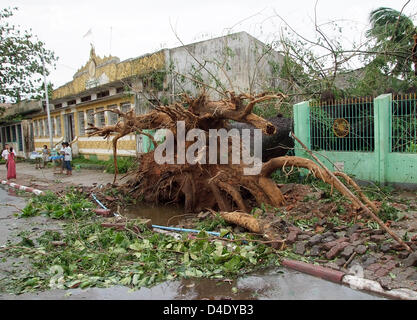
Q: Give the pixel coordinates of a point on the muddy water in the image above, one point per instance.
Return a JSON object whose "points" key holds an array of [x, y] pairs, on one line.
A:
{"points": [[270, 284], [163, 215]]}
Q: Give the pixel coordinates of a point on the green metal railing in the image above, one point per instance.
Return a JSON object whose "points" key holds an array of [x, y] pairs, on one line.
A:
{"points": [[403, 125], [344, 125]]}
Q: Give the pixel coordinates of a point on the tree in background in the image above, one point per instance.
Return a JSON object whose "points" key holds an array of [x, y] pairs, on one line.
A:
{"points": [[393, 33], [325, 67], [20, 60]]}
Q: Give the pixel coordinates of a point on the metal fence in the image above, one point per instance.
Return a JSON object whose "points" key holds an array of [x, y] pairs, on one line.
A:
{"points": [[374, 139], [344, 125], [403, 126]]}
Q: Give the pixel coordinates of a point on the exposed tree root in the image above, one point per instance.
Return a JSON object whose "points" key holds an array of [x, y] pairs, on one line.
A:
{"points": [[270, 231]]}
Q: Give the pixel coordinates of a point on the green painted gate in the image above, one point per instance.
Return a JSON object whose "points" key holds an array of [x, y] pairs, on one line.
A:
{"points": [[371, 139]]}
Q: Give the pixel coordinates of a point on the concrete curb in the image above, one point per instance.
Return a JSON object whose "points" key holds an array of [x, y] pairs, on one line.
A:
{"points": [[354, 282], [358, 283], [23, 188]]}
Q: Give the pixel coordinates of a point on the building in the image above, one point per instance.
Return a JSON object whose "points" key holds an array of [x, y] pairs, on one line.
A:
{"points": [[15, 126], [236, 62]]}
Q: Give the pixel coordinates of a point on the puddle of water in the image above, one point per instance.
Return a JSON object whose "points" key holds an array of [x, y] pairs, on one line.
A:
{"points": [[159, 214], [272, 284]]}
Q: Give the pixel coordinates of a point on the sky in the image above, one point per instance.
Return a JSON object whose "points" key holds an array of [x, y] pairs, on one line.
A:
{"points": [[128, 28]]}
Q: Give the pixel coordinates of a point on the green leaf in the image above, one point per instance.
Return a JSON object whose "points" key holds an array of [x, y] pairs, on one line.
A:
{"points": [[186, 258], [224, 232]]}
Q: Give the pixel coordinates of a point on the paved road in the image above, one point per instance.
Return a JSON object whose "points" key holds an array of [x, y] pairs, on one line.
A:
{"points": [[43, 179]]}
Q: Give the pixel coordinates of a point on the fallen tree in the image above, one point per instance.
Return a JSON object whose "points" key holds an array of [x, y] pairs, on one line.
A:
{"points": [[216, 186], [221, 187]]}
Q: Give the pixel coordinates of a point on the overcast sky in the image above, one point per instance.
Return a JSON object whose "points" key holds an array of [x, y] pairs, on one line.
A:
{"points": [[127, 28]]}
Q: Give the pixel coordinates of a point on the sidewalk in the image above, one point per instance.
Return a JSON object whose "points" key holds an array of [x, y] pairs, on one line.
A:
{"points": [[46, 179]]}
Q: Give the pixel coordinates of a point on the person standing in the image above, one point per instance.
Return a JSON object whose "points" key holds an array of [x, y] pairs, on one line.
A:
{"points": [[45, 155], [67, 158], [11, 164], [61, 161], [6, 152]]}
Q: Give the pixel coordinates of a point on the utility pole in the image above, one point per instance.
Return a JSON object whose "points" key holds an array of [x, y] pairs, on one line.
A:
{"points": [[47, 105]]}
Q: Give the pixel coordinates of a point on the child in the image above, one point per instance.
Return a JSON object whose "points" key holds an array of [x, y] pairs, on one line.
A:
{"points": [[67, 158], [45, 155]]}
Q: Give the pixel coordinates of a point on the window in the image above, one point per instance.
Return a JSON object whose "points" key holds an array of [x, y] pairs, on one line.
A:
{"points": [[120, 90], [101, 120], [113, 117], [58, 126], [59, 105], [13, 128], [71, 102], [81, 123], [46, 127], [53, 126], [103, 94], [86, 98], [90, 116], [41, 128], [20, 138], [35, 128], [8, 134], [125, 107]]}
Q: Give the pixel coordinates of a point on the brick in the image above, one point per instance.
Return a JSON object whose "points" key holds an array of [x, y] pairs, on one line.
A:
{"points": [[361, 249], [329, 245], [374, 267], [336, 249], [390, 265], [303, 237], [315, 239], [378, 237], [348, 251], [354, 237], [300, 248], [315, 251], [292, 236], [295, 229], [381, 272], [352, 230], [411, 260]]}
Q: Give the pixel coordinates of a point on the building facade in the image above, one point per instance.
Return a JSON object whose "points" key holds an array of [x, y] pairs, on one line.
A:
{"points": [[15, 126], [237, 62]]}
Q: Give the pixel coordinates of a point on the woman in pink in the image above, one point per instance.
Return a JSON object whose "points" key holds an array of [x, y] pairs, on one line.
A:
{"points": [[11, 165]]}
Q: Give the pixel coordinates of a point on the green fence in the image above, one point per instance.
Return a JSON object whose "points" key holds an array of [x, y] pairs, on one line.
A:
{"points": [[372, 139]]}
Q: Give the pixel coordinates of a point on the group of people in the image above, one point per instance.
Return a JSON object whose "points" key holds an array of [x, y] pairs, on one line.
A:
{"points": [[9, 155], [66, 156]]}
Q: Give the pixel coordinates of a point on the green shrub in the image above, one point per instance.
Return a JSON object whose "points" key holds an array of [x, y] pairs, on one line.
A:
{"points": [[123, 164]]}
